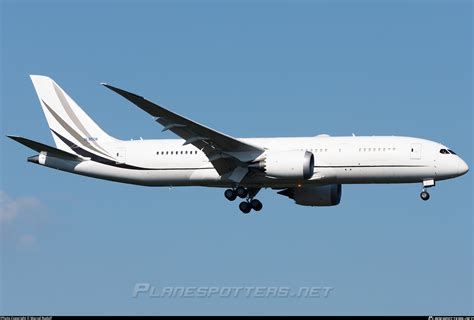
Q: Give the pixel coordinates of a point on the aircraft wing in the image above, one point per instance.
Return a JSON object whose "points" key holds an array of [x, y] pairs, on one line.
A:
{"points": [[227, 154]]}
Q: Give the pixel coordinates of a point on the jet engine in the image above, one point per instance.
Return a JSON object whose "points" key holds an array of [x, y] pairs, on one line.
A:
{"points": [[328, 195], [287, 164]]}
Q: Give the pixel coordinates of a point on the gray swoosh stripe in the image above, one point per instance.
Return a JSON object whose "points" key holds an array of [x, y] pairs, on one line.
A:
{"points": [[71, 131], [73, 117]]}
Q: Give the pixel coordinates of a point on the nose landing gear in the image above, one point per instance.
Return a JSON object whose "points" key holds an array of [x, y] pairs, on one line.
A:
{"points": [[424, 195]]}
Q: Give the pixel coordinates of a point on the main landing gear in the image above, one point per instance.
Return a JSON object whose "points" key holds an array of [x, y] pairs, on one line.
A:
{"points": [[247, 194], [424, 195]]}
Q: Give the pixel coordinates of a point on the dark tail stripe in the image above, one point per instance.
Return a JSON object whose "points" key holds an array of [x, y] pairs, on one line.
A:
{"points": [[112, 163], [95, 157]]}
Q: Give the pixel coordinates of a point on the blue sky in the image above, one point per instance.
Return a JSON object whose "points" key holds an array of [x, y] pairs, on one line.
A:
{"points": [[75, 245]]}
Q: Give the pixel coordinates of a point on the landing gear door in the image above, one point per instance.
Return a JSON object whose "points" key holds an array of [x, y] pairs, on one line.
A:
{"points": [[121, 155], [415, 152]]}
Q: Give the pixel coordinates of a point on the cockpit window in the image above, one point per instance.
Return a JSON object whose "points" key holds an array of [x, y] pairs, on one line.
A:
{"points": [[443, 151], [451, 151]]}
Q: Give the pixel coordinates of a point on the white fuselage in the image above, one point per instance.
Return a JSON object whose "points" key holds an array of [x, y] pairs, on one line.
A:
{"points": [[309, 170], [341, 160]]}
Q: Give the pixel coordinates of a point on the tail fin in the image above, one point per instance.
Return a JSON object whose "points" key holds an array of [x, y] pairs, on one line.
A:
{"points": [[71, 127]]}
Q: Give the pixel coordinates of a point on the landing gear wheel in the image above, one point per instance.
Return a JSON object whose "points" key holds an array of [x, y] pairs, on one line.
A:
{"points": [[230, 194], [424, 195], [241, 192], [245, 207], [256, 205]]}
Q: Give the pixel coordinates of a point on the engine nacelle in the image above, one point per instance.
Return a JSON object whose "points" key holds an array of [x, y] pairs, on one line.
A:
{"points": [[289, 164], [328, 195]]}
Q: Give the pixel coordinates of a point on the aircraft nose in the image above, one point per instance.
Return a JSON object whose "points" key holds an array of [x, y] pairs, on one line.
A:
{"points": [[462, 167]]}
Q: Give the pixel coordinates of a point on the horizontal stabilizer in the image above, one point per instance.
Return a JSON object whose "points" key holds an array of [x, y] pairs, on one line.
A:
{"points": [[40, 147]]}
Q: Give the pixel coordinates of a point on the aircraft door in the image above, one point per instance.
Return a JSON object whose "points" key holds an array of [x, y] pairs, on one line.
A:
{"points": [[415, 152]]}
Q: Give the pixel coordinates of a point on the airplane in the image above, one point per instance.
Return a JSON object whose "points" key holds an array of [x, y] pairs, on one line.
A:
{"points": [[309, 170]]}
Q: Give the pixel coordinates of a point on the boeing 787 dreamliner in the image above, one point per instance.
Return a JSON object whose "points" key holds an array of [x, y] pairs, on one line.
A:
{"points": [[309, 170]]}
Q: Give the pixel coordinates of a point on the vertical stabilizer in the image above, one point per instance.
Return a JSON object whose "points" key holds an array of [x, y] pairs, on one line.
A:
{"points": [[72, 129]]}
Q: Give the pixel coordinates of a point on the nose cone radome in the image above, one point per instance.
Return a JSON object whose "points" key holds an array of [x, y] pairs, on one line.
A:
{"points": [[462, 167]]}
